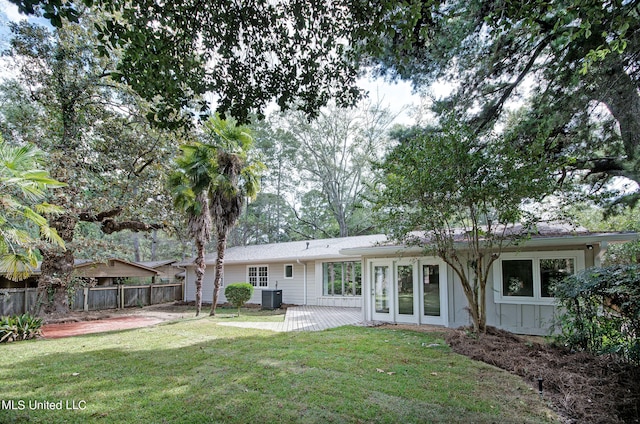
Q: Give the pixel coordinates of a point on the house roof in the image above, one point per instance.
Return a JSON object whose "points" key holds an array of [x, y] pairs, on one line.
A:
{"points": [[546, 235], [292, 251]]}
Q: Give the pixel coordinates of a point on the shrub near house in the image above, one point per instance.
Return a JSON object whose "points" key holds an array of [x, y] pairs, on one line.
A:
{"points": [[238, 294], [602, 311]]}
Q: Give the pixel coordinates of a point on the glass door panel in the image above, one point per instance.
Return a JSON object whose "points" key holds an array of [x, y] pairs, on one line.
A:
{"points": [[405, 289], [381, 289], [431, 290]]}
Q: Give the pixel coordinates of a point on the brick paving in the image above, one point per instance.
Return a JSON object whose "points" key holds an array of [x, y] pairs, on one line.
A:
{"points": [[307, 318]]}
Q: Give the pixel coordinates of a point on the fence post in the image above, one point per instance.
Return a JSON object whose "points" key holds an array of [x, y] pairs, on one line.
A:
{"points": [[85, 306], [150, 294], [121, 286], [26, 298]]}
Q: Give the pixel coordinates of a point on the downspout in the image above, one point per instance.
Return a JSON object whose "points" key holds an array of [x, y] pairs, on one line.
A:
{"points": [[304, 278]]}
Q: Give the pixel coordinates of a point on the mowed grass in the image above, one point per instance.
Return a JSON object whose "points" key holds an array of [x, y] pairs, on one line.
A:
{"points": [[225, 314], [195, 371]]}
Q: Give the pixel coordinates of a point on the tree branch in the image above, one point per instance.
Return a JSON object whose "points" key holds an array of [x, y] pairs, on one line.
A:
{"points": [[110, 226], [99, 217]]}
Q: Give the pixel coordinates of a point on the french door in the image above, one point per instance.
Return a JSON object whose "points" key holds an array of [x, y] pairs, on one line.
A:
{"points": [[409, 291]]}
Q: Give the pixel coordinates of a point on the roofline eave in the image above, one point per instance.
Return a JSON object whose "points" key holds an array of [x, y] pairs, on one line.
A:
{"points": [[549, 242]]}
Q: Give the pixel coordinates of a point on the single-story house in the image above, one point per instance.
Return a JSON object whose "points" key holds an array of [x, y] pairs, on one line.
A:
{"points": [[399, 284], [105, 272], [310, 272]]}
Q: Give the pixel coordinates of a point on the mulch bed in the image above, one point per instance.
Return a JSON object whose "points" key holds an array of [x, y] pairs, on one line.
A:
{"points": [[582, 387]]}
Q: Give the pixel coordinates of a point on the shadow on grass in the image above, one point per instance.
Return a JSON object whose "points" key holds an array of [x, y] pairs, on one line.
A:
{"points": [[197, 371]]}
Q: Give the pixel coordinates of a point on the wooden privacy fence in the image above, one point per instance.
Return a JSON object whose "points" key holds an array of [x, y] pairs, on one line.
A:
{"points": [[19, 301]]}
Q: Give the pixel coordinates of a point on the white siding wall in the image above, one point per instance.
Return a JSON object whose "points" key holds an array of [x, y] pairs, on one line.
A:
{"points": [[292, 289]]}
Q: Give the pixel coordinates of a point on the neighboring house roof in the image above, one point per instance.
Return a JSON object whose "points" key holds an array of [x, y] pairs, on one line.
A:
{"points": [[85, 263], [113, 268], [292, 251], [156, 264]]}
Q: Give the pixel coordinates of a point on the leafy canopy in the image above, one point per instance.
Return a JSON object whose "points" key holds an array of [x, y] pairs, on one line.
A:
{"points": [[246, 53]]}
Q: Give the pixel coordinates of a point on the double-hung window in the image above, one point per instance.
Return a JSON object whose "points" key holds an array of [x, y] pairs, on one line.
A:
{"points": [[529, 277], [258, 275]]}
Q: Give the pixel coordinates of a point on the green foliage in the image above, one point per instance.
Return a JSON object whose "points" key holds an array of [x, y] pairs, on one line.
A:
{"points": [[212, 180], [238, 294], [443, 187], [23, 188], [295, 53], [19, 327], [334, 157], [573, 63], [602, 311]]}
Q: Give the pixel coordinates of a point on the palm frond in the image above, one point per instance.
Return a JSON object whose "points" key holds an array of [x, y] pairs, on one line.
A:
{"points": [[18, 266]]}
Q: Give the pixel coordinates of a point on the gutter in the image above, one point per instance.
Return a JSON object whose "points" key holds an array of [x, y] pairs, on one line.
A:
{"points": [[304, 284]]}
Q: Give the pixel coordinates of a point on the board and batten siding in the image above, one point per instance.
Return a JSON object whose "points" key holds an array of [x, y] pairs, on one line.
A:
{"points": [[520, 318]]}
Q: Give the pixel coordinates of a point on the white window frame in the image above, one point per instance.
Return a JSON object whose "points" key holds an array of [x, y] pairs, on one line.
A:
{"points": [[536, 299], [285, 271], [257, 277]]}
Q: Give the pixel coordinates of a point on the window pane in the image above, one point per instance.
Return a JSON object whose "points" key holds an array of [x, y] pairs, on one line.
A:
{"points": [[517, 277], [431, 288], [288, 271], [263, 276], [381, 288], [341, 279], [253, 276], [357, 278], [553, 271], [405, 289]]}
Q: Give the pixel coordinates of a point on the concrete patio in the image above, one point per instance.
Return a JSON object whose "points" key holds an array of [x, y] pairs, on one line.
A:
{"points": [[307, 318]]}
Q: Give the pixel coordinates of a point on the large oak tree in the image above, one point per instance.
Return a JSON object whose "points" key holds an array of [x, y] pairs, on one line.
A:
{"points": [[96, 139]]}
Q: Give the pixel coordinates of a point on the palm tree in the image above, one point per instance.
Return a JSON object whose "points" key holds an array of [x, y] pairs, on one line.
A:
{"points": [[237, 179], [212, 180], [190, 185], [23, 186]]}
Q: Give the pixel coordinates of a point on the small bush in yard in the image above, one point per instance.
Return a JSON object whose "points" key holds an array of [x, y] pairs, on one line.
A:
{"points": [[19, 327], [238, 294]]}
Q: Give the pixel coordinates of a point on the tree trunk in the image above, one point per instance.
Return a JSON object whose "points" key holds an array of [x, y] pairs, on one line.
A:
{"points": [[200, 269], [56, 277], [620, 93], [469, 293], [136, 247], [154, 244], [217, 282]]}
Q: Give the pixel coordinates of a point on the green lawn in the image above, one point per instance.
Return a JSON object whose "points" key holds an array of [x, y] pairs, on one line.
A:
{"points": [[195, 371]]}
